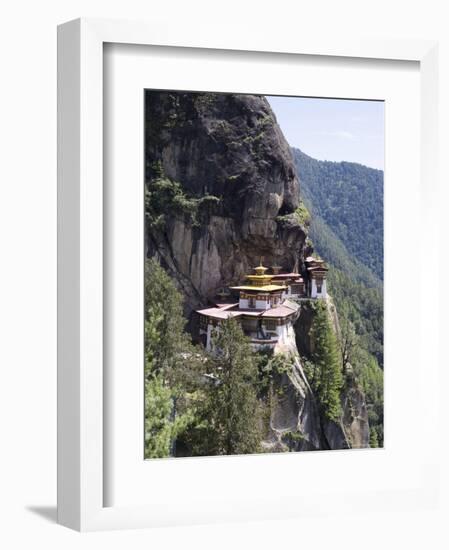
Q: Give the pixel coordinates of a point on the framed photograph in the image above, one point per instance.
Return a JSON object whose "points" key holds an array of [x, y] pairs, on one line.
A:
{"points": [[242, 294]]}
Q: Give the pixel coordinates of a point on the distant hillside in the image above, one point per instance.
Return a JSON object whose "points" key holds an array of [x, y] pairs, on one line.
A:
{"points": [[346, 205], [332, 249], [348, 198]]}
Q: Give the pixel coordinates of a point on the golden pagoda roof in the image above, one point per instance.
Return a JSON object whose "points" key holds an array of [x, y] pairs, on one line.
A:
{"points": [[259, 280], [259, 288], [260, 269]]}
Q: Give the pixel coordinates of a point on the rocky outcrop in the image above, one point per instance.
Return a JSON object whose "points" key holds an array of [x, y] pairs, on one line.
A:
{"points": [[352, 430], [355, 416], [294, 418], [296, 424], [230, 147]]}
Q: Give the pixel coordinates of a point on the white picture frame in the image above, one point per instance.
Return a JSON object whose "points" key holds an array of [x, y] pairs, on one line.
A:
{"points": [[81, 490]]}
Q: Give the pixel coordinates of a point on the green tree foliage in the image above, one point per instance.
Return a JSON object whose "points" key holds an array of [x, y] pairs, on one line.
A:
{"points": [[362, 307], [346, 202], [209, 406], [301, 215], [166, 198], [326, 378], [163, 424], [166, 342], [170, 363], [357, 292], [230, 410], [370, 377], [373, 438], [271, 366], [332, 248]]}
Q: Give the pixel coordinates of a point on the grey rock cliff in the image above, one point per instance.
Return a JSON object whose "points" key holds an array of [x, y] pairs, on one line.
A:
{"points": [[229, 146], [352, 429]]}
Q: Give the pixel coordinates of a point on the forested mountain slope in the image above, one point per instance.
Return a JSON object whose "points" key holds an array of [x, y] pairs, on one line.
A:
{"points": [[345, 201], [348, 197], [336, 194]]}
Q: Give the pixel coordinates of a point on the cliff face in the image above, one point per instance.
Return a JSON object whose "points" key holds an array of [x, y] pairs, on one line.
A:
{"points": [[230, 147], [295, 420], [352, 429]]}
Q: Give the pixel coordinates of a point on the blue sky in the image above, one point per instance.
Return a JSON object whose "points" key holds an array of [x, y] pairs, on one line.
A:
{"points": [[333, 129]]}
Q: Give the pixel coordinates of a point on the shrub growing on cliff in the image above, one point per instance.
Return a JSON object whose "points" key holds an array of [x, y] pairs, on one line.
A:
{"points": [[166, 198], [270, 366], [163, 197], [327, 377], [302, 215]]}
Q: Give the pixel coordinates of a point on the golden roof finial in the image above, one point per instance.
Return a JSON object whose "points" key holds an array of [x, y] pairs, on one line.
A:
{"points": [[260, 269]]}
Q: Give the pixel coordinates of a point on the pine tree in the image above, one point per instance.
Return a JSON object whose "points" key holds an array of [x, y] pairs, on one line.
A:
{"points": [[162, 424], [232, 409], [373, 439], [170, 363], [166, 342], [328, 379]]}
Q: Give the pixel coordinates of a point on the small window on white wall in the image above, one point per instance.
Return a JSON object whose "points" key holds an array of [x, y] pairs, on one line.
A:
{"points": [[270, 325]]}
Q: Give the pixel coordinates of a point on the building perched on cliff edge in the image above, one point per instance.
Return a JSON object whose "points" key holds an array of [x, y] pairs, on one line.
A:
{"points": [[316, 275], [268, 306]]}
